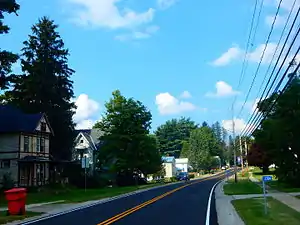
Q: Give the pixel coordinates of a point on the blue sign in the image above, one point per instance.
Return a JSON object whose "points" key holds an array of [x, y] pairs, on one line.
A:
{"points": [[267, 178]]}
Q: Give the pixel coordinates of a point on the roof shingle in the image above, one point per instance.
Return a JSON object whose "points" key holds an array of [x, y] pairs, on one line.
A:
{"points": [[14, 120]]}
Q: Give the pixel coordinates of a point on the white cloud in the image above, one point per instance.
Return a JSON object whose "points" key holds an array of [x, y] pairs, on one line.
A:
{"points": [[222, 90], [239, 125], [147, 33], [185, 94], [280, 20], [106, 13], [168, 104], [87, 110], [165, 4], [232, 53], [254, 56], [287, 6]]}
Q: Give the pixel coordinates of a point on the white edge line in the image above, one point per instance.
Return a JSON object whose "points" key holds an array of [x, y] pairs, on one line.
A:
{"points": [[209, 203], [102, 202]]}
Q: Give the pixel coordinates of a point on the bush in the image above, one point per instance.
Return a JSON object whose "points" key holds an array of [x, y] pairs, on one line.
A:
{"points": [[192, 175], [7, 181], [173, 179]]}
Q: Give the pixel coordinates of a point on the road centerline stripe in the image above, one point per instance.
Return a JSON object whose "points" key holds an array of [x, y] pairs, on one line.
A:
{"points": [[144, 204]]}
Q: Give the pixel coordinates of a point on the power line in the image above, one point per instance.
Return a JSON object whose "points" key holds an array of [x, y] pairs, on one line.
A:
{"points": [[279, 57], [250, 131], [295, 37], [244, 65], [280, 94], [261, 58]]}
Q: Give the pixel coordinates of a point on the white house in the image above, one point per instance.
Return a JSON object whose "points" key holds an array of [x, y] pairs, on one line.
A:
{"points": [[169, 165], [86, 145], [182, 164]]}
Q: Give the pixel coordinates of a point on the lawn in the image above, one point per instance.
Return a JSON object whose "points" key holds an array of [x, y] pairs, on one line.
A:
{"points": [[257, 173], [274, 184], [242, 187], [6, 219], [73, 195], [252, 212]]}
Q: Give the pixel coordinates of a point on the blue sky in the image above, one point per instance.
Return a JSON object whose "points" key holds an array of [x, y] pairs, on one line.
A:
{"points": [[179, 57]]}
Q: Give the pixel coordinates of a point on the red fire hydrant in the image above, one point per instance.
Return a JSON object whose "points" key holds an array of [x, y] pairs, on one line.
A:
{"points": [[16, 199]]}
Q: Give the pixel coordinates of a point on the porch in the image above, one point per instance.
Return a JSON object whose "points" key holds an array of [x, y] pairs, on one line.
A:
{"points": [[33, 171]]}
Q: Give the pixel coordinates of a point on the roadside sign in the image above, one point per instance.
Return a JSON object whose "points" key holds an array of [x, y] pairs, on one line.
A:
{"points": [[85, 162], [267, 178], [264, 180]]}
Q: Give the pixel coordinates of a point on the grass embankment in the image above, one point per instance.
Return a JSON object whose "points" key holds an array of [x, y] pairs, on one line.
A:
{"points": [[243, 187], [74, 195], [252, 212], [274, 184], [6, 219]]}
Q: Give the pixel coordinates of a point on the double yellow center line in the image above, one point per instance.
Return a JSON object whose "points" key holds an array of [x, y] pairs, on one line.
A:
{"points": [[138, 207]]}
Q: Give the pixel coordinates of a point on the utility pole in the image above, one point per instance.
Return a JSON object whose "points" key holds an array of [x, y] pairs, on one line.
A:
{"points": [[246, 148], [241, 149], [234, 145]]}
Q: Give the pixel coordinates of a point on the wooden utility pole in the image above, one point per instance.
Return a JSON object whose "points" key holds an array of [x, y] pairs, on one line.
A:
{"points": [[246, 148], [234, 145], [241, 149]]}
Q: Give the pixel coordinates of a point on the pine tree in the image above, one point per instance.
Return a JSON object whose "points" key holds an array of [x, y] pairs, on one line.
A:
{"points": [[45, 85], [6, 58]]}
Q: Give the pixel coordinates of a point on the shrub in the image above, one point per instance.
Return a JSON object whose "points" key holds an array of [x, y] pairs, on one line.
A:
{"points": [[192, 175], [173, 179], [8, 181]]}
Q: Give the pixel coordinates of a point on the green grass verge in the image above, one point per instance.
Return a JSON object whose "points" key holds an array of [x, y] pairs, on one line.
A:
{"points": [[73, 195], [274, 184], [6, 219], [252, 212], [242, 187]]}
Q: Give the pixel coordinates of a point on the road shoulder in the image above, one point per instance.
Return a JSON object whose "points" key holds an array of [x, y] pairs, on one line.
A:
{"points": [[226, 213]]}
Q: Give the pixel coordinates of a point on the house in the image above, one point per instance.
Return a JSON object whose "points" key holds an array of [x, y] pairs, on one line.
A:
{"points": [[182, 164], [86, 145], [169, 165], [24, 146]]}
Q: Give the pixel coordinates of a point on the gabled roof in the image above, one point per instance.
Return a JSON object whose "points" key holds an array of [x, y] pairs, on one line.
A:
{"points": [[91, 135], [14, 120]]}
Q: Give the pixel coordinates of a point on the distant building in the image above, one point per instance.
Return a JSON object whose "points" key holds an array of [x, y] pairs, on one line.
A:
{"points": [[182, 164], [169, 165], [86, 145]]}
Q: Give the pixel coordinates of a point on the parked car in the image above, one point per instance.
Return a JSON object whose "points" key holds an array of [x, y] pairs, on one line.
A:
{"points": [[183, 176]]}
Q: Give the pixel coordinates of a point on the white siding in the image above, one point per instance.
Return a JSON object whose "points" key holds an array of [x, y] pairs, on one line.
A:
{"points": [[47, 125], [9, 148]]}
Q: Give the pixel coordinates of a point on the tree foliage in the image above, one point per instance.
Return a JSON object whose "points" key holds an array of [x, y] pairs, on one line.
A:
{"points": [[45, 84], [127, 148], [279, 133], [202, 148], [258, 157], [172, 134], [7, 58]]}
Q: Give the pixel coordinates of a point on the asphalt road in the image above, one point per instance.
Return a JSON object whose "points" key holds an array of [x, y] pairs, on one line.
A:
{"points": [[180, 203]]}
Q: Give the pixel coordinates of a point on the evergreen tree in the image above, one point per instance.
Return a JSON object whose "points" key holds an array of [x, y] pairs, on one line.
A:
{"points": [[45, 84], [6, 58]]}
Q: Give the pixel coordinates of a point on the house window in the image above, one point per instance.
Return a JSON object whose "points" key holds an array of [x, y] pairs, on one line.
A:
{"points": [[42, 147], [26, 144], [43, 126], [5, 164], [40, 144]]}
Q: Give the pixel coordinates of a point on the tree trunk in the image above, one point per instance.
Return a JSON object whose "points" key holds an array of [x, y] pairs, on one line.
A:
{"points": [[265, 169]]}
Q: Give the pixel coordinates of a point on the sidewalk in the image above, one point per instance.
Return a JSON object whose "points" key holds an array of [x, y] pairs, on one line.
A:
{"points": [[227, 214]]}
